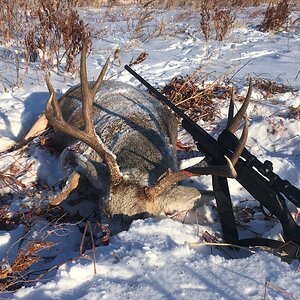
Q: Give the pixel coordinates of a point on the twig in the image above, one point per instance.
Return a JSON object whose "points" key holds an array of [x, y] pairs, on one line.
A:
{"points": [[275, 287], [93, 247], [243, 66], [56, 267], [222, 245]]}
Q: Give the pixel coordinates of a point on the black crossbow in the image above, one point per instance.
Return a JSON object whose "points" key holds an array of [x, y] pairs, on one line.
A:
{"points": [[255, 176]]}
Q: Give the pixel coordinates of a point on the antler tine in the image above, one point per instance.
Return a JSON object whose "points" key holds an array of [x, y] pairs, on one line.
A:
{"points": [[242, 142], [88, 93], [166, 181], [87, 97], [170, 178], [88, 136], [53, 111], [234, 123], [231, 108], [100, 77]]}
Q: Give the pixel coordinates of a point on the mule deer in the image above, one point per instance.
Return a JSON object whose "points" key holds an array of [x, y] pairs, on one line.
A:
{"points": [[123, 141]]}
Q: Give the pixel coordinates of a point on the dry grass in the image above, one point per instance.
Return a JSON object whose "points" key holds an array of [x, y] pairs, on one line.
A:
{"points": [[33, 247], [11, 177], [197, 99], [14, 274], [178, 3], [268, 87], [276, 16], [10, 274], [138, 60], [139, 24], [295, 112], [217, 21], [27, 4]]}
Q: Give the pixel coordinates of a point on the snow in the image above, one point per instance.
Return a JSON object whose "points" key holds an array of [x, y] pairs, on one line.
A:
{"points": [[161, 258]]}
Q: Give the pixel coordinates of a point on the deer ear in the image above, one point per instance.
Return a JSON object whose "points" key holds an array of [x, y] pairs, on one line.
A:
{"points": [[182, 198]]}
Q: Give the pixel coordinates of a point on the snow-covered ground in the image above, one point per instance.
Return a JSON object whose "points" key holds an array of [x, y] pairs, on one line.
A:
{"points": [[158, 258]]}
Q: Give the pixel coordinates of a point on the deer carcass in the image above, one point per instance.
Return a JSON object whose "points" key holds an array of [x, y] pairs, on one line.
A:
{"points": [[123, 141]]}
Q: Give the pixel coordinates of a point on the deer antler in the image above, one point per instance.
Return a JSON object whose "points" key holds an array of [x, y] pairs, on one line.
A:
{"points": [[234, 122], [71, 184], [226, 170], [170, 178], [88, 136]]}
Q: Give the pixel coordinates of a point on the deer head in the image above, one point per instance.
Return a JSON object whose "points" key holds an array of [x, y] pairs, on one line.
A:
{"points": [[124, 141]]}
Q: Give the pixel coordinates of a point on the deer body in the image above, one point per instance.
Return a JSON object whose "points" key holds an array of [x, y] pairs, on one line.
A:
{"points": [[135, 126], [141, 133], [124, 142]]}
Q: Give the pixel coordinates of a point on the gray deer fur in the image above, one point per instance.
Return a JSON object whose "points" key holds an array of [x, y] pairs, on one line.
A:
{"points": [[142, 134]]}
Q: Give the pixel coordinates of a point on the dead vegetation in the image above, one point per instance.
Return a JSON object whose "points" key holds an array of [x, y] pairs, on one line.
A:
{"points": [[175, 3], [36, 245], [270, 87], [10, 274], [295, 112], [54, 28], [46, 32], [14, 273], [215, 20], [276, 16], [197, 99], [142, 57], [200, 99], [138, 26], [11, 177]]}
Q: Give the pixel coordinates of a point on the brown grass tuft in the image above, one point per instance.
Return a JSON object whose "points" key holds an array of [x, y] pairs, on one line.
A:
{"points": [[295, 112], [196, 100], [216, 20], [270, 87], [135, 61], [11, 273], [276, 17]]}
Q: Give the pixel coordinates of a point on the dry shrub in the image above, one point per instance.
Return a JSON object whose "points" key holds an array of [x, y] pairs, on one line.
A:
{"points": [[37, 29], [14, 275], [11, 178], [12, 32], [205, 22], [223, 22], [11, 220], [25, 258], [135, 61], [12, 19], [197, 101], [139, 25], [270, 87], [217, 21], [295, 112], [169, 4], [57, 27], [15, 271], [276, 16]]}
